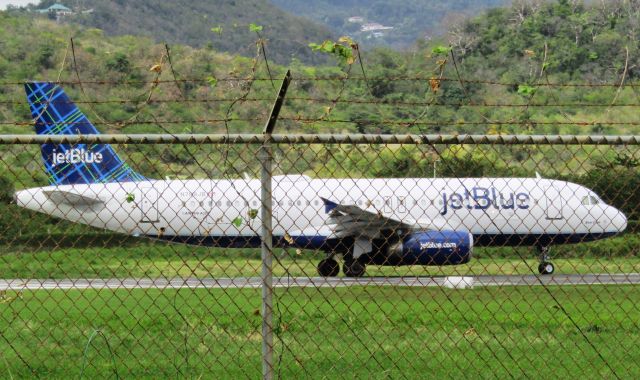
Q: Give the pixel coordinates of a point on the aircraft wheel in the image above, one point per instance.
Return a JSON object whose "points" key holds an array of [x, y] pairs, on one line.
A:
{"points": [[546, 268], [353, 268], [328, 268]]}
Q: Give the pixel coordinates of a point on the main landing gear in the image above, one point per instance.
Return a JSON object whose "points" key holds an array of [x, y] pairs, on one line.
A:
{"points": [[353, 267], [329, 267], [545, 266]]}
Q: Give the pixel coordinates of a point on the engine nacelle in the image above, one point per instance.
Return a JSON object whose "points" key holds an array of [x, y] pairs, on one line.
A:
{"points": [[434, 248]]}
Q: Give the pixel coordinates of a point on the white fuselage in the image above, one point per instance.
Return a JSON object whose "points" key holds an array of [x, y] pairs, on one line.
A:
{"points": [[482, 206]]}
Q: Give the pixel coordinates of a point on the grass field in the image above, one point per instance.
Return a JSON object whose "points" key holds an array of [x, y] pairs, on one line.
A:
{"points": [[167, 260], [362, 332], [357, 332]]}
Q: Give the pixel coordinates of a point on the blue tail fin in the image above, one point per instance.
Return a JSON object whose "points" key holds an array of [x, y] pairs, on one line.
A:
{"points": [[55, 114]]}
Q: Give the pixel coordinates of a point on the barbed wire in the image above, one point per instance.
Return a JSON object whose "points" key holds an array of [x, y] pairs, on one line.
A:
{"points": [[436, 123], [121, 123], [330, 78], [330, 100]]}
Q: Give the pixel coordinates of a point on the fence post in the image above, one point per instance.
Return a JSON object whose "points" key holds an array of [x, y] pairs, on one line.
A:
{"points": [[266, 161]]}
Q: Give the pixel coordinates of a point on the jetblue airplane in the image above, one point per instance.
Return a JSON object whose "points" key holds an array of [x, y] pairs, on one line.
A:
{"points": [[391, 221]]}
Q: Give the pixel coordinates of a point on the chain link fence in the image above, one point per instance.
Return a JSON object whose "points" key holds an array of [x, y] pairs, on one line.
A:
{"points": [[390, 257]]}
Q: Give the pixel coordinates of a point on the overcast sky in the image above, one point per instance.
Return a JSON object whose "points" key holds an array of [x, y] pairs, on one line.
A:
{"points": [[4, 3]]}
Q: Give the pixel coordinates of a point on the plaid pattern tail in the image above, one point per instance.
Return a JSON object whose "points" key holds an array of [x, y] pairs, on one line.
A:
{"points": [[55, 114]]}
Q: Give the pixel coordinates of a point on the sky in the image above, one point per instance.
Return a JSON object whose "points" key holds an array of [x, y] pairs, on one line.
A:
{"points": [[4, 3]]}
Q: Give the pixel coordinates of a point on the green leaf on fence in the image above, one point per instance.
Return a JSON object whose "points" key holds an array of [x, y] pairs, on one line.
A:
{"points": [[440, 50], [524, 89], [255, 28], [343, 49], [213, 81]]}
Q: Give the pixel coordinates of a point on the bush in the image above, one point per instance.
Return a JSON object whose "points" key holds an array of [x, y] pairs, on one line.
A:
{"points": [[6, 190]]}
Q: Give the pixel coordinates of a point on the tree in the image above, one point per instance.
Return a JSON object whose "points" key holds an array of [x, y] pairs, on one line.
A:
{"points": [[6, 189], [120, 63]]}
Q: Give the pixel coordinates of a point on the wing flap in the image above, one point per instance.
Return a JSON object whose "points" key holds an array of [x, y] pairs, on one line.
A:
{"points": [[351, 220]]}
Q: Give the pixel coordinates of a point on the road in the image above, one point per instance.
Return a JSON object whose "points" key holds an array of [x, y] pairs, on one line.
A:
{"points": [[318, 282]]}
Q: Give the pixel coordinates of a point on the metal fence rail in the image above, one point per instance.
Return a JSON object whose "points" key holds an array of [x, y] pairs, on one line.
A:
{"points": [[163, 276]]}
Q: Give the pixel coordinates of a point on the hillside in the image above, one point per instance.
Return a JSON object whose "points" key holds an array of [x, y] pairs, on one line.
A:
{"points": [[563, 42], [499, 57], [506, 45], [411, 20], [190, 23]]}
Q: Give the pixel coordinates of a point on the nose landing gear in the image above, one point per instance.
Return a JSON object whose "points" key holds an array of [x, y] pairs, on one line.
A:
{"points": [[545, 266]]}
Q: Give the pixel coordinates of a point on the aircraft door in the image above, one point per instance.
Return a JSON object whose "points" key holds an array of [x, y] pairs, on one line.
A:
{"points": [[200, 206], [554, 203], [388, 204], [149, 204], [217, 209], [402, 204]]}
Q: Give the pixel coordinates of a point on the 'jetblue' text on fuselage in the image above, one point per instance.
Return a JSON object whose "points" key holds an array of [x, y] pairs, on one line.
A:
{"points": [[482, 198]]}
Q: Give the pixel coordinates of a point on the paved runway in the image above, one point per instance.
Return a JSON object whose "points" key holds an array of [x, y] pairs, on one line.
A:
{"points": [[319, 282]]}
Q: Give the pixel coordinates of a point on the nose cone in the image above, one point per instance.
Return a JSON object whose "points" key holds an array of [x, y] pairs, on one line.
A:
{"points": [[618, 221]]}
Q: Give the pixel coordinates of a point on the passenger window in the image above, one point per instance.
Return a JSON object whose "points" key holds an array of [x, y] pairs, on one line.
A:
{"points": [[585, 201], [594, 200]]}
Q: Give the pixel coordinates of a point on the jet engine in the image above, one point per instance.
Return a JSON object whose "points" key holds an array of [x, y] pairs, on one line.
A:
{"points": [[432, 248]]}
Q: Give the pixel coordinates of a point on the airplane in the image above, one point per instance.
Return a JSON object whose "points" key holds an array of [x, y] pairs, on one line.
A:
{"points": [[384, 221]]}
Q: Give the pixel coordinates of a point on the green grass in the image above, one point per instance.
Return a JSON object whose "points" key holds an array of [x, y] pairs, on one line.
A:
{"points": [[173, 260], [374, 332], [360, 332]]}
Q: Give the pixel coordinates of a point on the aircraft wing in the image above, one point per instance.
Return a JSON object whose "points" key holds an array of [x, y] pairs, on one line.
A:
{"points": [[351, 220], [72, 198]]}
